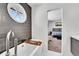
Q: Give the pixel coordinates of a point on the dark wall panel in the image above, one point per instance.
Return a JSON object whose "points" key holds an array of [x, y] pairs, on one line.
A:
{"points": [[22, 31]]}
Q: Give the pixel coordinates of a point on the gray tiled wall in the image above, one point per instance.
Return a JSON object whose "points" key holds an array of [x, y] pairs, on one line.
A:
{"points": [[22, 31]]}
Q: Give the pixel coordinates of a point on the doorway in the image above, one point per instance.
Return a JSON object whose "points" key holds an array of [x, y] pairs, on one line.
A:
{"points": [[55, 17]]}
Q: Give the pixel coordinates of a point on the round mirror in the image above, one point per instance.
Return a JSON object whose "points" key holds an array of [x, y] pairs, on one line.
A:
{"points": [[17, 12]]}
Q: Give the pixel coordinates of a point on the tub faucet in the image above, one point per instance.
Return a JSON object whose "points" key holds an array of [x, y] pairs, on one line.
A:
{"points": [[15, 46], [8, 42]]}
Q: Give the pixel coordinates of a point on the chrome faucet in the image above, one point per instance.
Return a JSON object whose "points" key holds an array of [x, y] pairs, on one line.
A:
{"points": [[8, 42], [15, 46]]}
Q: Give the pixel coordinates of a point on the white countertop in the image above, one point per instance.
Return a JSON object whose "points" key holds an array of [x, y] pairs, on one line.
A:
{"points": [[75, 37]]}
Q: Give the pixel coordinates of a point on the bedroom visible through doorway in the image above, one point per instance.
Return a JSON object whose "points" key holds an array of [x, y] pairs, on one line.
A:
{"points": [[55, 17]]}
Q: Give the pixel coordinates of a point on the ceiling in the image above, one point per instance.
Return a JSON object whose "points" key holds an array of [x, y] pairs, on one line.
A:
{"points": [[35, 4]]}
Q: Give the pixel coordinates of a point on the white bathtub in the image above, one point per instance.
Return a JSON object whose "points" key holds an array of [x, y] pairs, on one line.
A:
{"points": [[25, 49]]}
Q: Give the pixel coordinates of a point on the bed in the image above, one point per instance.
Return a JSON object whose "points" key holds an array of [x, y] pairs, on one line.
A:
{"points": [[56, 32]]}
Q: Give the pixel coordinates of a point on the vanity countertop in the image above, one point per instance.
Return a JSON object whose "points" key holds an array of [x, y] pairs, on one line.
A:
{"points": [[75, 37]]}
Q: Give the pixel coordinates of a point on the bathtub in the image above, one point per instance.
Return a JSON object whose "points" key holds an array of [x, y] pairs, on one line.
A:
{"points": [[25, 49]]}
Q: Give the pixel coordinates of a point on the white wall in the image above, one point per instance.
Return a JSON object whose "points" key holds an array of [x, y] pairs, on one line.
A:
{"points": [[55, 14], [51, 25], [40, 26], [70, 24]]}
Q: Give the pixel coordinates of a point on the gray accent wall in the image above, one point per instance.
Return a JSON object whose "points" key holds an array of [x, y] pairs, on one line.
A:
{"points": [[22, 31]]}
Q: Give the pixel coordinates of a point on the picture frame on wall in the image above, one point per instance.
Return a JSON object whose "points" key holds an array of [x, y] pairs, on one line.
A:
{"points": [[58, 24]]}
